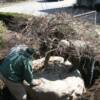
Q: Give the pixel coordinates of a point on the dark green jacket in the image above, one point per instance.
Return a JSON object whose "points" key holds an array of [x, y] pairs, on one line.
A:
{"points": [[17, 67]]}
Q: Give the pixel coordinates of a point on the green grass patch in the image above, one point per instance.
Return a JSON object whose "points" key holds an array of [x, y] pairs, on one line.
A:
{"points": [[12, 22], [3, 29], [15, 22], [2, 15], [2, 42]]}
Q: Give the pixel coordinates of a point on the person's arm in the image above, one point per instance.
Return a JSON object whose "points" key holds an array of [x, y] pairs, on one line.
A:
{"points": [[28, 74], [28, 71], [48, 54]]}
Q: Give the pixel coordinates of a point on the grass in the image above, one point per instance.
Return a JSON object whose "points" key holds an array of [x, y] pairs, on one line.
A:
{"points": [[10, 21], [15, 22], [3, 29], [2, 15]]}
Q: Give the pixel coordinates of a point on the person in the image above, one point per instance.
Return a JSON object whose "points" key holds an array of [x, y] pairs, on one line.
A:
{"points": [[17, 67], [71, 50]]}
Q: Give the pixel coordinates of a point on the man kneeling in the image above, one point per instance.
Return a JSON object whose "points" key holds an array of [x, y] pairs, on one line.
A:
{"points": [[16, 67]]}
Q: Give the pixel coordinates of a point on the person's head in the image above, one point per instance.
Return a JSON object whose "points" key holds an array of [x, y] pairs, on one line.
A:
{"points": [[63, 45], [18, 48], [22, 48], [34, 52]]}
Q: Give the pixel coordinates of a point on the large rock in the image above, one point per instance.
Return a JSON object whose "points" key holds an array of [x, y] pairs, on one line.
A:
{"points": [[39, 63], [57, 83]]}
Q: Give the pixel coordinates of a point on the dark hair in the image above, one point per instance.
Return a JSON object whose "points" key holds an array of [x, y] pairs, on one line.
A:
{"points": [[32, 51]]}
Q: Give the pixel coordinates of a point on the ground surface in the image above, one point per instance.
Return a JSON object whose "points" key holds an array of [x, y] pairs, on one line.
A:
{"points": [[36, 8]]}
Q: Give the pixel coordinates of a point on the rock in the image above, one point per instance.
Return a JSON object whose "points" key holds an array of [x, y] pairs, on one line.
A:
{"points": [[39, 63], [71, 87]]}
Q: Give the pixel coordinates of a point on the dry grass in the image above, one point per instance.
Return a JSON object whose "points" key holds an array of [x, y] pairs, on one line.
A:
{"points": [[48, 31], [3, 29]]}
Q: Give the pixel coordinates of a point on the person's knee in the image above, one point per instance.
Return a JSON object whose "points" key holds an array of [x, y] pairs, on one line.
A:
{"points": [[24, 97]]}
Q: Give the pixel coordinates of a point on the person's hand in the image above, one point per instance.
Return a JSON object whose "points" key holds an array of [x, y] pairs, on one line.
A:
{"points": [[35, 82]]}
